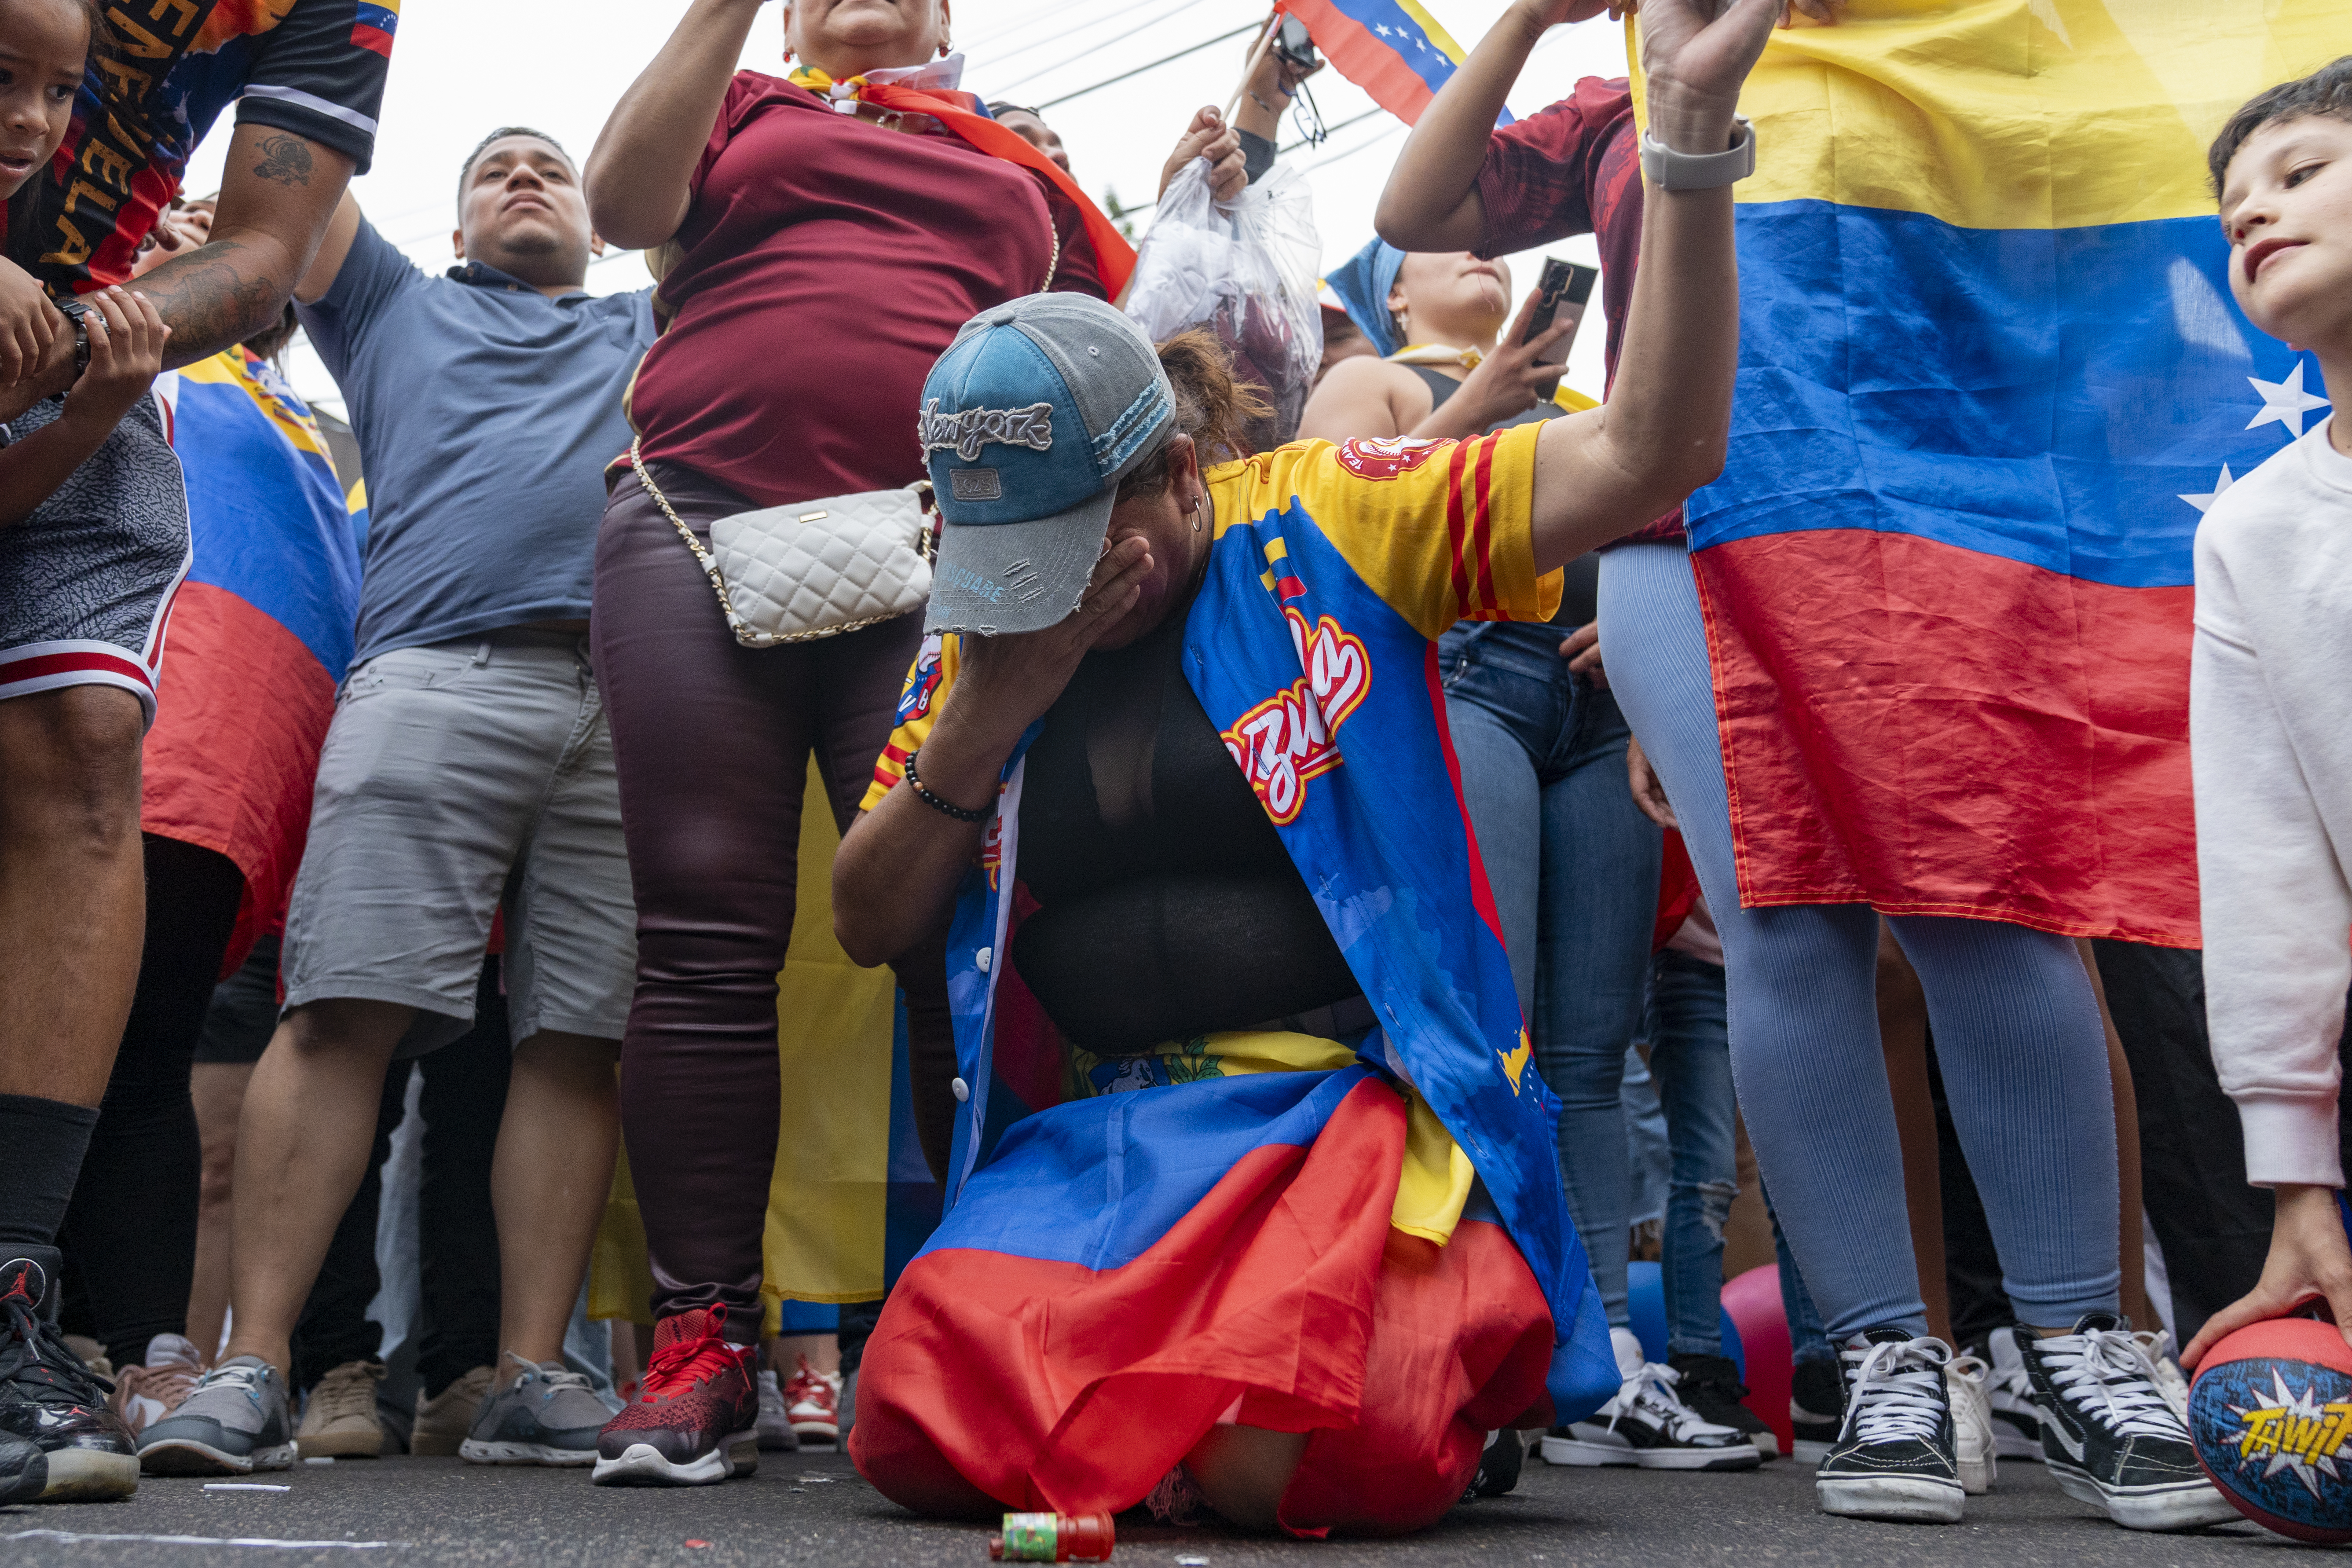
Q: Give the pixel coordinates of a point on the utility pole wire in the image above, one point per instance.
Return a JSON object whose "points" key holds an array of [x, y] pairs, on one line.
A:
{"points": [[1155, 65], [1295, 146], [1096, 46]]}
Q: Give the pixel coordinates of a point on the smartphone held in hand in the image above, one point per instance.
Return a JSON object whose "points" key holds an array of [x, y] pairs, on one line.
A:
{"points": [[1561, 293]]}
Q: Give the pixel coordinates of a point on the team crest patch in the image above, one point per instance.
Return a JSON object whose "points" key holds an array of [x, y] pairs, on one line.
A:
{"points": [[1292, 736], [1385, 458]]}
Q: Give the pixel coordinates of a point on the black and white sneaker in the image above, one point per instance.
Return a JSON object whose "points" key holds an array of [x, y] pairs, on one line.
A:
{"points": [[48, 1398], [1894, 1457], [2016, 1420], [1500, 1466], [2109, 1436], [1816, 1409], [1648, 1425], [1710, 1385]]}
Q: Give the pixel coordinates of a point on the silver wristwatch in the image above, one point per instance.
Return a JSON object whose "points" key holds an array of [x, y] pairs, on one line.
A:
{"points": [[1667, 169]]}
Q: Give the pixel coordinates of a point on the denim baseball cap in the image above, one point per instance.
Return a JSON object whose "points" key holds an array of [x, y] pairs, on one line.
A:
{"points": [[1029, 421]]}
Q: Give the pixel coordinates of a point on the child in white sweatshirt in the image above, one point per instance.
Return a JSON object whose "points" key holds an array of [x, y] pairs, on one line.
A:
{"points": [[2270, 706]]}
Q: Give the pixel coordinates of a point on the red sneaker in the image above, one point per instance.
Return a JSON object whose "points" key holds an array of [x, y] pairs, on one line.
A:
{"points": [[696, 1419], [813, 1402]]}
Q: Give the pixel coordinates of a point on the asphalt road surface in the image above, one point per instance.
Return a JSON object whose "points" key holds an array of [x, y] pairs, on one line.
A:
{"points": [[811, 1508]]}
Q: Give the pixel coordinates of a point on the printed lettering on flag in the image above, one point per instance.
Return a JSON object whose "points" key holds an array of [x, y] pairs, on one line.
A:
{"points": [[1393, 49]]}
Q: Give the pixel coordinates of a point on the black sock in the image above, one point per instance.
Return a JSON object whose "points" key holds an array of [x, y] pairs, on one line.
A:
{"points": [[44, 1139]]}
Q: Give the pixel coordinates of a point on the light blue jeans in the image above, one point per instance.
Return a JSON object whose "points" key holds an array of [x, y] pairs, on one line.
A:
{"points": [[1574, 868], [1690, 1059]]}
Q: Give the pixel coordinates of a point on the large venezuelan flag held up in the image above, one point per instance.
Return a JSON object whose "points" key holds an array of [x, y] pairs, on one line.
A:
{"points": [[1990, 375], [1393, 49]]}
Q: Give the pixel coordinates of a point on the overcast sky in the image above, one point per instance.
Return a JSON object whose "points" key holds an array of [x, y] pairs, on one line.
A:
{"points": [[461, 67]]}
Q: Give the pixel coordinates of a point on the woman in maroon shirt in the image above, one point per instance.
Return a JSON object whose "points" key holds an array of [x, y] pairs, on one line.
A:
{"points": [[824, 254]]}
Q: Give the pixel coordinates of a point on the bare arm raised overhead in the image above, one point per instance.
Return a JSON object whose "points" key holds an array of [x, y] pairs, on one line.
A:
{"points": [[641, 168]]}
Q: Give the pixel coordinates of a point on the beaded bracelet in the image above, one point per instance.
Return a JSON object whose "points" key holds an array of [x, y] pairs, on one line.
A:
{"points": [[934, 802]]}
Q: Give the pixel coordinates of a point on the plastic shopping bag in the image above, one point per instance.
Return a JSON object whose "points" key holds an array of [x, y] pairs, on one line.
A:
{"points": [[1245, 271]]}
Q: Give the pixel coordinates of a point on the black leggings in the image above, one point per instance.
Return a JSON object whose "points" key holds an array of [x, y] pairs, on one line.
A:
{"points": [[129, 1236]]}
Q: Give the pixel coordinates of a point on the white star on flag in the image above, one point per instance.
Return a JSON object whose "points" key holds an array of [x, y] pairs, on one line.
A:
{"points": [[1381, 29], [2221, 486], [2285, 401]]}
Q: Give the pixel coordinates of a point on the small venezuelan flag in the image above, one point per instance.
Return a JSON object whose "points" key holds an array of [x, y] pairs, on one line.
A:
{"points": [[1393, 49], [1990, 375], [375, 25]]}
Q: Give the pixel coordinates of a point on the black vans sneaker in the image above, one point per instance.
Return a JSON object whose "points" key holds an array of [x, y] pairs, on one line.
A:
{"points": [[1710, 1385], [2108, 1434], [1816, 1408], [50, 1398], [1894, 1454]]}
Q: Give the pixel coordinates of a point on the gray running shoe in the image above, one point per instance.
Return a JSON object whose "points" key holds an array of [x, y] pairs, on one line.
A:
{"points": [[549, 1415], [234, 1423]]}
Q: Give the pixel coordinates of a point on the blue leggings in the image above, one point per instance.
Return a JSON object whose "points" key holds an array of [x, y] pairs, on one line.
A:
{"points": [[2017, 1027]]}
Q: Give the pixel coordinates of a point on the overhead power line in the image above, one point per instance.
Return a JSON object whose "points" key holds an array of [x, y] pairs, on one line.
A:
{"points": [[1155, 65], [1099, 45]]}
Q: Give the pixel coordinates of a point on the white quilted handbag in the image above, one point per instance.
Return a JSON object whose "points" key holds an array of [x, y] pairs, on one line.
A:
{"points": [[814, 569]]}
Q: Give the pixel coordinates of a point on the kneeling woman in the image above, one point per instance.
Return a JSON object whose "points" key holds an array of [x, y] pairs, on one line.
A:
{"points": [[1323, 1252]]}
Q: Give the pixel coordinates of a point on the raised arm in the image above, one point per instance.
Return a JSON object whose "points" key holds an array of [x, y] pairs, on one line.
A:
{"points": [[641, 168], [1432, 202], [334, 249], [277, 194], [1601, 474]]}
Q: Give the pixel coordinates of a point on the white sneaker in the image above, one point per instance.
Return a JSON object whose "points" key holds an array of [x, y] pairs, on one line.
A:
{"points": [[776, 1433], [2165, 1359], [1648, 1425], [144, 1395], [2008, 1392], [1964, 1377]]}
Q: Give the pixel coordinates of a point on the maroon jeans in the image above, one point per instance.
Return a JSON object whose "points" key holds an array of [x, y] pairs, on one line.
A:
{"points": [[713, 739]]}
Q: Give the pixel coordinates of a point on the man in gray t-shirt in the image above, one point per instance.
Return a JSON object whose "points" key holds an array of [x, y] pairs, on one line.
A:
{"points": [[469, 769]]}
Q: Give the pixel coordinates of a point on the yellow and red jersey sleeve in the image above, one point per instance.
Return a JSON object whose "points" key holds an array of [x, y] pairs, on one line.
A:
{"points": [[926, 688], [1440, 530]]}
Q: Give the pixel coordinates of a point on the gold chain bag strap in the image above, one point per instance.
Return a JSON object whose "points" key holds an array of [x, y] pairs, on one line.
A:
{"points": [[812, 569]]}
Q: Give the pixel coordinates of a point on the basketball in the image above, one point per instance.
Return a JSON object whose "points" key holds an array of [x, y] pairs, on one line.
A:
{"points": [[2271, 1412]]}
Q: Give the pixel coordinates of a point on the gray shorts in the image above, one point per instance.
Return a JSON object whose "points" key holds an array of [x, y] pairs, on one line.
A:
{"points": [[456, 777]]}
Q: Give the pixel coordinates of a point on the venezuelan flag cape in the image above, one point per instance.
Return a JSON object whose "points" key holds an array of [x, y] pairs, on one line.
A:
{"points": [[1990, 374], [261, 630], [1393, 49], [1311, 647]]}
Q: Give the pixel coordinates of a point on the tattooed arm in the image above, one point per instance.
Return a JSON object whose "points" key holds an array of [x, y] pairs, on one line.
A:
{"points": [[276, 196]]}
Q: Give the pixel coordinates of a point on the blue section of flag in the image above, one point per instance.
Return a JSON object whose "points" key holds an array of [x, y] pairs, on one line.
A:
{"points": [[2045, 395], [383, 18], [276, 532], [1384, 48], [1098, 1182]]}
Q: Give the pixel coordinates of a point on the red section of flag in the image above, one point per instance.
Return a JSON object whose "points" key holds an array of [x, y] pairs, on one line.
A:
{"points": [[1677, 891], [1933, 731], [242, 710], [374, 38], [1284, 1296], [1362, 59]]}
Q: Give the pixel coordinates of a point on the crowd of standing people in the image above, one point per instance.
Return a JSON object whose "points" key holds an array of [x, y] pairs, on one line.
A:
{"points": [[1358, 794]]}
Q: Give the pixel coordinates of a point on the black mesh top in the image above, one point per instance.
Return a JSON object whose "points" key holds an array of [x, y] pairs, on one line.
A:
{"points": [[1170, 908]]}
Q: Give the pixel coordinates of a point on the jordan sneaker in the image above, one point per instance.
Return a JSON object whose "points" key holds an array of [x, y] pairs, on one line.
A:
{"points": [[1710, 1385], [1648, 1425], [548, 1414], [2108, 1436], [697, 1414], [812, 1404], [50, 1399], [1894, 1455], [234, 1422]]}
